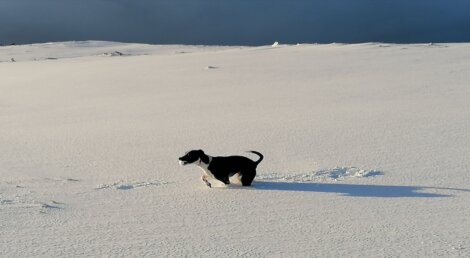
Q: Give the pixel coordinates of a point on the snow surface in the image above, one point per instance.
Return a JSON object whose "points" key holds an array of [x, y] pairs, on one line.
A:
{"points": [[366, 150]]}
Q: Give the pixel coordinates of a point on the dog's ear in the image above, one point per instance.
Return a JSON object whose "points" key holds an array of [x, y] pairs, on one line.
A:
{"points": [[204, 158], [201, 151]]}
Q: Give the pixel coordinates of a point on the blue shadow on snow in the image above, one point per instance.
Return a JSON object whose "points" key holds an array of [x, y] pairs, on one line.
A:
{"points": [[384, 191]]}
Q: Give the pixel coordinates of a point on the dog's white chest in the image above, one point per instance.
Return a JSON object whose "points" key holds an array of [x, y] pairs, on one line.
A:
{"points": [[206, 171]]}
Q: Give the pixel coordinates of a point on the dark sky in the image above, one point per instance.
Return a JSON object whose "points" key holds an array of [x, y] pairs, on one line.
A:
{"points": [[235, 22]]}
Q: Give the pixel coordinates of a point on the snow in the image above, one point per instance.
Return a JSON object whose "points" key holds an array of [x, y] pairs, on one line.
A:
{"points": [[366, 150]]}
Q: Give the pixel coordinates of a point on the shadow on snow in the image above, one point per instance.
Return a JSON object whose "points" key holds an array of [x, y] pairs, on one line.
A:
{"points": [[384, 191]]}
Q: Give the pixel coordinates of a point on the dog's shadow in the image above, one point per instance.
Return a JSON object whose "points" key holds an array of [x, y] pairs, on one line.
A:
{"points": [[383, 191]]}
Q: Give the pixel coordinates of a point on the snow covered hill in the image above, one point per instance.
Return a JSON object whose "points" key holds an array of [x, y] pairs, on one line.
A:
{"points": [[366, 150]]}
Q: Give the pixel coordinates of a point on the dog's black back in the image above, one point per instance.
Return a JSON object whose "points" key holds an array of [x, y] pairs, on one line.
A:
{"points": [[224, 167]]}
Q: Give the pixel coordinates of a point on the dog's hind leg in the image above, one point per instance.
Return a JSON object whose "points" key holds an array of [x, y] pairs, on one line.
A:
{"points": [[236, 179], [247, 178]]}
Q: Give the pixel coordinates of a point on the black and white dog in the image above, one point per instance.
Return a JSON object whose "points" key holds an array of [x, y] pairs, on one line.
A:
{"points": [[222, 168]]}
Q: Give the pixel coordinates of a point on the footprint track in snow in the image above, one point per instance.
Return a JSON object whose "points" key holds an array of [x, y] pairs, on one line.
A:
{"points": [[31, 193], [335, 174], [129, 185]]}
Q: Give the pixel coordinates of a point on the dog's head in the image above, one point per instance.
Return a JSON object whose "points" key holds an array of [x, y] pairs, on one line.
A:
{"points": [[193, 156]]}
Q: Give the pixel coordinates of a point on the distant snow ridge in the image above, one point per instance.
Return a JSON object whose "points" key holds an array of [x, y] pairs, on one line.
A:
{"points": [[129, 186], [336, 174], [114, 53]]}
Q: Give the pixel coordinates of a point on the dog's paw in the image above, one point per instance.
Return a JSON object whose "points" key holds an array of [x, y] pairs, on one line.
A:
{"points": [[204, 179], [207, 183]]}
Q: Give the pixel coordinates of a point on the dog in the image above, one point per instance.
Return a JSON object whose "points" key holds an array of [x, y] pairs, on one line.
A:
{"points": [[222, 168]]}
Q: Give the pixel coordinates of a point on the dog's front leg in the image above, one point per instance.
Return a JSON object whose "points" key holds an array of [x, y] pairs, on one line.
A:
{"points": [[204, 179]]}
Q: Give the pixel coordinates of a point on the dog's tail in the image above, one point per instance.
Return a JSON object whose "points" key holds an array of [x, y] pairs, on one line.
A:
{"points": [[260, 156]]}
